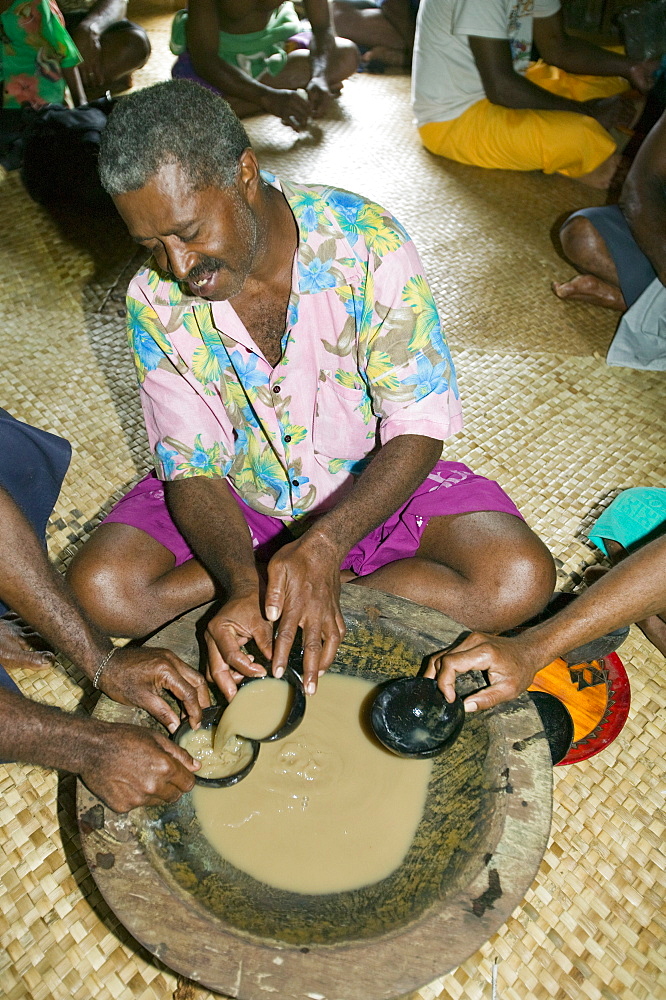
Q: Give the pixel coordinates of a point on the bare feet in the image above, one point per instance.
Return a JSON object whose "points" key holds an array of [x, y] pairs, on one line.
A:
{"points": [[19, 645], [601, 177], [589, 288], [654, 629], [386, 56]]}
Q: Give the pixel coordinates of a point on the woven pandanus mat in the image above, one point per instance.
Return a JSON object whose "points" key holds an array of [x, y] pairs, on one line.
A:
{"points": [[561, 431]]}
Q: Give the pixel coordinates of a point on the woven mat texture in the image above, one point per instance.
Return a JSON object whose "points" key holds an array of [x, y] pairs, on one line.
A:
{"points": [[545, 416]]}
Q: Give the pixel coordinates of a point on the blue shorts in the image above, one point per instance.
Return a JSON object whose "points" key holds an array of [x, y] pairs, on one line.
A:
{"points": [[633, 268]]}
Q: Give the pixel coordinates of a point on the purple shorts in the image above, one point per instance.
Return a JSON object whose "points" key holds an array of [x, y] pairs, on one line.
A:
{"points": [[451, 488], [183, 68]]}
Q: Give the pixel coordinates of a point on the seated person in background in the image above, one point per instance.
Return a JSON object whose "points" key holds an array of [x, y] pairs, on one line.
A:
{"points": [[111, 46], [620, 249], [297, 388], [385, 28], [632, 532], [38, 59], [478, 100], [256, 55], [126, 766]]}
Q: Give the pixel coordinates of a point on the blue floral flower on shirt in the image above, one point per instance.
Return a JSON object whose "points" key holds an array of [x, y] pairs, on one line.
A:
{"points": [[347, 207], [428, 377], [146, 337], [246, 369], [296, 482], [166, 459], [316, 276]]}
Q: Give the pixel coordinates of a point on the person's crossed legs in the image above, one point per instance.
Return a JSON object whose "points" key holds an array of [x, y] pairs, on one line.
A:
{"points": [[485, 568], [615, 271]]}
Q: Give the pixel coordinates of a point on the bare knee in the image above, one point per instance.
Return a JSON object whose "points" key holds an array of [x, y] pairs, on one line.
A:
{"points": [[111, 576], [345, 60], [528, 581], [581, 242], [103, 593]]}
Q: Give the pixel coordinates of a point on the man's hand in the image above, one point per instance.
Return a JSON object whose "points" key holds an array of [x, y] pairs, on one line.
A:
{"points": [[292, 109], [319, 96], [137, 767], [87, 41], [510, 666], [641, 75], [303, 590], [227, 633], [138, 677], [612, 112]]}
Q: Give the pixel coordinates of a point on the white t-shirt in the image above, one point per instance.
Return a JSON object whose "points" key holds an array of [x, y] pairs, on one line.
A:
{"points": [[445, 80]]}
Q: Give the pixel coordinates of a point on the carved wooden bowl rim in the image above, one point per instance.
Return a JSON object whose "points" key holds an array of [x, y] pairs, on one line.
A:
{"points": [[197, 945]]}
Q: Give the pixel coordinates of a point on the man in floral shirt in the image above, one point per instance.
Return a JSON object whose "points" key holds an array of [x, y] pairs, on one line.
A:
{"points": [[297, 388]]}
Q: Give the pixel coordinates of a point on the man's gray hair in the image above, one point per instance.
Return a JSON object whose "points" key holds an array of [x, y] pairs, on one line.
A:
{"points": [[176, 121]]}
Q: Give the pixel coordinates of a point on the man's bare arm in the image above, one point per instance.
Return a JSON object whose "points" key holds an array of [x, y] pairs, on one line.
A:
{"points": [[303, 588], [633, 590], [503, 86], [643, 199], [211, 520], [124, 765], [203, 29], [32, 587], [575, 55]]}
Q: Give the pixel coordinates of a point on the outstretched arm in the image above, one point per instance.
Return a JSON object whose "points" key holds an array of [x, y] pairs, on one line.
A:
{"points": [[575, 55], [321, 50], [31, 586], [504, 86], [125, 766], [203, 31], [643, 199], [303, 588], [631, 591]]}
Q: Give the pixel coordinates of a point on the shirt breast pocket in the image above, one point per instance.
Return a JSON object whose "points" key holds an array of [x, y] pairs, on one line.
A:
{"points": [[340, 429]]}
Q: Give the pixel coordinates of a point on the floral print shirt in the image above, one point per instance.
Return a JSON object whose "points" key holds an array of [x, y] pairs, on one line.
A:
{"points": [[363, 360], [34, 48]]}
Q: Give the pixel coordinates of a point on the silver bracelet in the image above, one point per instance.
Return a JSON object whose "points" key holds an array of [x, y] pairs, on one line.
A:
{"points": [[98, 672]]}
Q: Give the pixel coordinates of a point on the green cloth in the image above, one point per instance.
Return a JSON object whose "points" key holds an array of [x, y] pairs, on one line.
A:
{"points": [[631, 518], [255, 52], [34, 48]]}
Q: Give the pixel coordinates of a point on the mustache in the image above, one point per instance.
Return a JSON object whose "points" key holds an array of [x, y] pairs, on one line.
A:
{"points": [[207, 265]]}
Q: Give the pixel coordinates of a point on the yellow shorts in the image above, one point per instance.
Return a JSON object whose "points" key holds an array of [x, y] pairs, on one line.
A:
{"points": [[563, 142]]}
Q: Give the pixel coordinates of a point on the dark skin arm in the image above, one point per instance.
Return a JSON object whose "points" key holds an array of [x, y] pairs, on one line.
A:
{"points": [[87, 38], [321, 47], [31, 586], [633, 590], [203, 27], [125, 766], [303, 587], [643, 199], [505, 87]]}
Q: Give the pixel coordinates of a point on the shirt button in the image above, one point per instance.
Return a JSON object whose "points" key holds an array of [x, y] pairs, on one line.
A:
{"points": [[276, 389], [294, 482], [287, 438]]}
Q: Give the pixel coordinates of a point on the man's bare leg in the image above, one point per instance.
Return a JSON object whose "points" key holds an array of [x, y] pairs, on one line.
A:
{"points": [[599, 283], [372, 30], [297, 73], [486, 570], [129, 585]]}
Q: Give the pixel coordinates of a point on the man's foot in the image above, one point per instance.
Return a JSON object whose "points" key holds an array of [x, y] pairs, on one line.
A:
{"points": [[588, 288], [602, 177], [19, 645], [384, 55]]}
